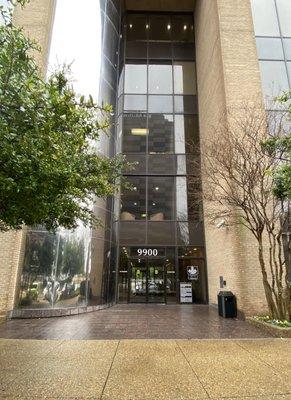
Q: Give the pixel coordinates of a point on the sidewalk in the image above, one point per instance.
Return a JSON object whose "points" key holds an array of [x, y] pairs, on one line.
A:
{"points": [[145, 369]]}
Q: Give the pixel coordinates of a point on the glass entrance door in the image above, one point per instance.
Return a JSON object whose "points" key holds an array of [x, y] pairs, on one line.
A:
{"points": [[147, 281]]}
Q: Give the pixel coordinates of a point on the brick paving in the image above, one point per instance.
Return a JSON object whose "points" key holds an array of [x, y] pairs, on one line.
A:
{"points": [[135, 321]]}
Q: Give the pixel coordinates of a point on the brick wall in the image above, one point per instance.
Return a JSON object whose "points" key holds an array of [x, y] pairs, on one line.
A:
{"points": [[228, 76]]}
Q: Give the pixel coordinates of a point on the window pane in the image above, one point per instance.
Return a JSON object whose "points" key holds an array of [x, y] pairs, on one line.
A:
{"points": [[186, 104], [160, 28], [289, 70], [161, 133], [161, 233], [138, 166], [190, 233], [287, 47], [161, 198], [160, 50], [133, 200], [284, 11], [162, 164], [186, 133], [135, 78], [136, 50], [183, 51], [132, 232], [135, 103], [270, 49], [160, 79], [160, 104], [185, 78], [183, 29], [134, 133], [274, 77], [265, 18], [136, 28]]}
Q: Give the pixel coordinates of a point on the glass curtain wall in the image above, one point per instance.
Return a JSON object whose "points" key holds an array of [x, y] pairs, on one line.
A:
{"points": [[78, 268], [158, 133], [272, 24]]}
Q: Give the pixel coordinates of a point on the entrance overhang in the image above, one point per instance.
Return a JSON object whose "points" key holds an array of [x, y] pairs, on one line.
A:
{"points": [[160, 5]]}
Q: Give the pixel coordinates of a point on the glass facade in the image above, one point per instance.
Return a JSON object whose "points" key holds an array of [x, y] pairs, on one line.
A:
{"points": [[160, 210], [79, 268], [273, 34]]}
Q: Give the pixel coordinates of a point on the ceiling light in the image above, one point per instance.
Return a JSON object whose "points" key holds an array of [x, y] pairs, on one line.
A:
{"points": [[135, 188], [168, 27], [139, 131], [157, 188], [154, 204], [143, 215], [185, 27], [147, 26], [130, 25]]}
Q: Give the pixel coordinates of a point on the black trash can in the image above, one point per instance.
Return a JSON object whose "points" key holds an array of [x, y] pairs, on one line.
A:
{"points": [[227, 305]]}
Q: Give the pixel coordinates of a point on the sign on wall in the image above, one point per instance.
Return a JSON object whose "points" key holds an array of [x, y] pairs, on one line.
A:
{"points": [[186, 292], [193, 272], [147, 252]]}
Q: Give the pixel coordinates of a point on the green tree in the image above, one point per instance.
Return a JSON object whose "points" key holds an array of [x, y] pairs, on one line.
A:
{"points": [[50, 172], [73, 258]]}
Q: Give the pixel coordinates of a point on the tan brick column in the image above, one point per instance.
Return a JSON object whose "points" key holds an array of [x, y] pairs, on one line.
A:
{"points": [[228, 76], [36, 19]]}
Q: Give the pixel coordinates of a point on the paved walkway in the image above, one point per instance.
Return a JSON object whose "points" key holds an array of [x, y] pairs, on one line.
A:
{"points": [[135, 322], [145, 369]]}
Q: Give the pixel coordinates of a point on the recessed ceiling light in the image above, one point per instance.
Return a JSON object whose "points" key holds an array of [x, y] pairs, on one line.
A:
{"points": [[135, 188], [185, 27], [135, 204], [139, 131], [168, 27], [157, 188], [143, 215], [130, 25], [147, 26], [154, 204]]}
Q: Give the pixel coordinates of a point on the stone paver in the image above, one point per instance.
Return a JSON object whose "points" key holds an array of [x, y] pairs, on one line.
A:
{"points": [[135, 321], [145, 369]]}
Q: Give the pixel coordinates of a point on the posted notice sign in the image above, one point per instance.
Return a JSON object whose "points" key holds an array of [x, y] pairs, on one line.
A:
{"points": [[186, 292]]}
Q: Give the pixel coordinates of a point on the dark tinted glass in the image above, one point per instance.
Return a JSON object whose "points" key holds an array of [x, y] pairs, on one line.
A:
{"points": [[183, 51], [132, 232], [161, 198], [160, 50], [160, 133], [138, 164], [160, 28], [136, 28], [189, 233], [183, 29], [186, 104], [134, 133], [161, 233], [136, 50], [133, 203], [162, 164]]}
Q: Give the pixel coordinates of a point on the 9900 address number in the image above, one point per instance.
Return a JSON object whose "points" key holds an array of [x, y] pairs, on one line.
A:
{"points": [[147, 252]]}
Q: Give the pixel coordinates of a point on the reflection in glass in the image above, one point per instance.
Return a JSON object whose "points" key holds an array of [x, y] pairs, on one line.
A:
{"points": [[184, 77], [284, 11], [135, 103], [160, 51], [186, 133], [138, 164], [274, 77], [161, 233], [183, 51], [134, 133], [136, 50], [190, 233], [287, 48], [161, 133], [161, 198], [160, 79], [162, 164], [270, 49], [186, 104], [135, 78], [265, 18], [133, 200], [160, 104], [132, 232]]}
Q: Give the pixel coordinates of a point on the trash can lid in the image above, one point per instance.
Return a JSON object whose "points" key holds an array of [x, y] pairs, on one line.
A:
{"points": [[225, 293]]}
